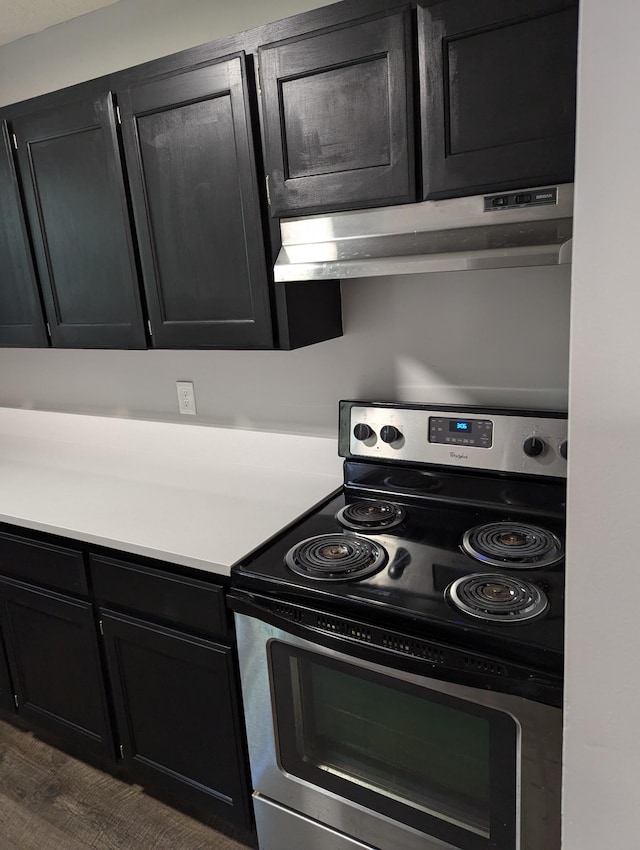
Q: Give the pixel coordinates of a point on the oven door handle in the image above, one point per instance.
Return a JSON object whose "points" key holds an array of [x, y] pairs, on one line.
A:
{"points": [[420, 655]]}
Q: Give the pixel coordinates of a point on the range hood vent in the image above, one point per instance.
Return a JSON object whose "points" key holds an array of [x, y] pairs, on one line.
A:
{"points": [[530, 227]]}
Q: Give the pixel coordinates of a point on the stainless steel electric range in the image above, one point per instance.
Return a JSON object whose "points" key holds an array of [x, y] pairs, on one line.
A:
{"points": [[401, 645]]}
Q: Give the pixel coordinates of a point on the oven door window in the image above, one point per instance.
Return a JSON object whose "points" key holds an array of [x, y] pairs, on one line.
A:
{"points": [[440, 764]]}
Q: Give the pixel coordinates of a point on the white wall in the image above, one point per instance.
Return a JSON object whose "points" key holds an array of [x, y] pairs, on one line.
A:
{"points": [[482, 337], [602, 745], [126, 34], [489, 337]]}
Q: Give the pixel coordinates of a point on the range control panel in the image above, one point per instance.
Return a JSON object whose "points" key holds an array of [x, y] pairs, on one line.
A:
{"points": [[529, 442], [458, 431]]}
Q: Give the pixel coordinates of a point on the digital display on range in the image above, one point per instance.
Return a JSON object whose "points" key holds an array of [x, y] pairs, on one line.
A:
{"points": [[461, 432]]}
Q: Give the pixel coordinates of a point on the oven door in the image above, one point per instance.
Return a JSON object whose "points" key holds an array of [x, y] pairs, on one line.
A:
{"points": [[370, 754]]}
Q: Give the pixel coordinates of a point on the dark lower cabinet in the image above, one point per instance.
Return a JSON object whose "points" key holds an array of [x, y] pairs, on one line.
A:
{"points": [[6, 688], [21, 320], [149, 691], [337, 110], [53, 655], [190, 159], [177, 716], [77, 210], [498, 94]]}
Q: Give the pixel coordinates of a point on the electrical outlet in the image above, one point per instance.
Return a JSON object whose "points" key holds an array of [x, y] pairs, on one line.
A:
{"points": [[186, 398]]}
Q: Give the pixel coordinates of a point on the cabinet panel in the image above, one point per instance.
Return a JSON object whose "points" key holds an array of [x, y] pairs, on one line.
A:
{"points": [[21, 319], [55, 666], [173, 599], [193, 181], [498, 94], [43, 563], [337, 108], [6, 688], [312, 104], [177, 716], [78, 212]]}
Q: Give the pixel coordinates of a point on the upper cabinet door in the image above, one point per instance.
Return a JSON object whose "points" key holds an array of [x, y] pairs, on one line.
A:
{"points": [[337, 109], [21, 320], [69, 161], [193, 183], [498, 94]]}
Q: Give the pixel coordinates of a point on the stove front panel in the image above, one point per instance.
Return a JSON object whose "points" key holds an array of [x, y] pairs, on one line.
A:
{"points": [[342, 741]]}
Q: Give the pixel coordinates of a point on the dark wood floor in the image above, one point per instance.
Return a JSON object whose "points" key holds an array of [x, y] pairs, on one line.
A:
{"points": [[50, 801]]}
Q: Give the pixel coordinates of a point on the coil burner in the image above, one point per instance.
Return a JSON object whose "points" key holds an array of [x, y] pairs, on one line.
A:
{"points": [[371, 516], [512, 545], [336, 557], [497, 598]]}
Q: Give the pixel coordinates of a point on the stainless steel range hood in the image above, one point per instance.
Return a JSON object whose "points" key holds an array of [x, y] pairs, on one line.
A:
{"points": [[531, 227]]}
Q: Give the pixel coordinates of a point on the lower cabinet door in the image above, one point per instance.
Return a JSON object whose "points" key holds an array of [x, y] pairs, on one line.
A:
{"points": [[6, 689], [53, 654], [177, 715]]}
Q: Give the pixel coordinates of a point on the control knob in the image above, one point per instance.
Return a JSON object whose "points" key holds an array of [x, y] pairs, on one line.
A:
{"points": [[389, 434], [362, 431], [564, 449], [533, 447]]}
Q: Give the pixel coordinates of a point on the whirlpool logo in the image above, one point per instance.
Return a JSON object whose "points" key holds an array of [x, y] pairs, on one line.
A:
{"points": [[458, 456]]}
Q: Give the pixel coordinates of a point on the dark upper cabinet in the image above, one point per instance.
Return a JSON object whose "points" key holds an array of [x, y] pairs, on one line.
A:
{"points": [[191, 167], [77, 208], [21, 319], [498, 94], [338, 117]]}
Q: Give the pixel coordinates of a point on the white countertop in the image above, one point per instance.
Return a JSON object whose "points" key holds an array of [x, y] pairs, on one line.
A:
{"points": [[198, 496]]}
